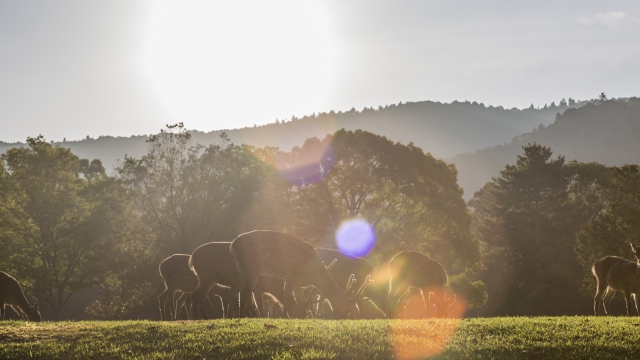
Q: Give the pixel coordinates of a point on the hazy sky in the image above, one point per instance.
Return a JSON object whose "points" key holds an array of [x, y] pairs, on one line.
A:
{"points": [[77, 68]]}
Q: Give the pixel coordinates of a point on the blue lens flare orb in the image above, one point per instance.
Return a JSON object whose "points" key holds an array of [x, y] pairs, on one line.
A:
{"points": [[355, 238]]}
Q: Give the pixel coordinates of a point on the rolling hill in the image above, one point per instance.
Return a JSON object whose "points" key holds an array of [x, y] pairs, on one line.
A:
{"points": [[606, 132], [444, 130]]}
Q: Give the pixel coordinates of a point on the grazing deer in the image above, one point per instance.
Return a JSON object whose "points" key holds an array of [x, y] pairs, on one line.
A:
{"points": [[214, 265], [276, 254], [414, 269], [617, 274], [11, 294], [346, 266], [178, 276]]}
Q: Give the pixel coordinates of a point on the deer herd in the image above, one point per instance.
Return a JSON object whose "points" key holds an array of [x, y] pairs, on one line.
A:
{"points": [[272, 274]]}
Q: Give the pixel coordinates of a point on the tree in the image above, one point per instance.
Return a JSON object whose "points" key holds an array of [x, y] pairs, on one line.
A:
{"points": [[410, 198], [614, 222], [526, 221], [190, 193], [62, 232]]}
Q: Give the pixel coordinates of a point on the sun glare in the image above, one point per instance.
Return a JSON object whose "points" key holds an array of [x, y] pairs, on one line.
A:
{"points": [[229, 64]]}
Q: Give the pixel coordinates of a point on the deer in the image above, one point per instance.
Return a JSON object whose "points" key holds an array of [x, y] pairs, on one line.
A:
{"points": [[11, 294], [178, 276], [414, 269], [613, 274], [346, 266], [272, 253], [213, 265]]}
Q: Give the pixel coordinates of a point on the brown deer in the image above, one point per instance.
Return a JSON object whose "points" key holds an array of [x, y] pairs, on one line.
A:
{"points": [[214, 265], [276, 254], [617, 274], [346, 266], [11, 294], [414, 269], [178, 276]]}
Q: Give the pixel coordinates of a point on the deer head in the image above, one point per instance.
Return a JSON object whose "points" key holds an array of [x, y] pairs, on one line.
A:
{"points": [[442, 305], [353, 296]]}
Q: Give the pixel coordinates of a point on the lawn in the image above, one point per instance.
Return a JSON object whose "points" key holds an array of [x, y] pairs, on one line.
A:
{"points": [[489, 338]]}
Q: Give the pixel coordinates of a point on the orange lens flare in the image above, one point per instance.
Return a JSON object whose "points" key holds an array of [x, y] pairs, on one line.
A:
{"points": [[427, 337]]}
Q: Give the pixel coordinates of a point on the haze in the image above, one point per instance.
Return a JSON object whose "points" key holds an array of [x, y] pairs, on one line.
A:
{"points": [[69, 69]]}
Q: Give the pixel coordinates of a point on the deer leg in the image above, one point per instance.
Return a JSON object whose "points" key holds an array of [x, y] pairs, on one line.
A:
{"points": [[247, 302], [197, 305], [179, 304], [394, 300], [236, 288], [162, 299], [426, 301], [290, 304], [606, 300], [627, 300], [635, 301], [600, 292], [188, 303], [2, 310]]}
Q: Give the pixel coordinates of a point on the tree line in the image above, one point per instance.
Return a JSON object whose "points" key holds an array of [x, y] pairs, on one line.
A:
{"points": [[522, 246], [66, 225]]}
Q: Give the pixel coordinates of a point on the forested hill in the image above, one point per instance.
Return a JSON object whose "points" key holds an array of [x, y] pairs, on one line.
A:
{"points": [[441, 129], [602, 131]]}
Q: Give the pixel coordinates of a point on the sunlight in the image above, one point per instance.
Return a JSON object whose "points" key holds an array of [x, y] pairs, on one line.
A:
{"points": [[221, 65]]}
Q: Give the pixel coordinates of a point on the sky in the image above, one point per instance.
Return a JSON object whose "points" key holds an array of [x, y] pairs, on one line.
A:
{"points": [[71, 69]]}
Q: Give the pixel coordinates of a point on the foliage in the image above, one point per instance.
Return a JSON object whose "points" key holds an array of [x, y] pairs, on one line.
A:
{"points": [[410, 198], [61, 237], [190, 193], [617, 223], [477, 338], [527, 220]]}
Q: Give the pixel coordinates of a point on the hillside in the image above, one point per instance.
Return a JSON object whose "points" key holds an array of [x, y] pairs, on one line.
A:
{"points": [[441, 129], [605, 132]]}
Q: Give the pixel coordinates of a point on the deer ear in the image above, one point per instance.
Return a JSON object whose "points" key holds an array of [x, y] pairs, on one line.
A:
{"points": [[36, 306], [633, 248], [451, 299]]}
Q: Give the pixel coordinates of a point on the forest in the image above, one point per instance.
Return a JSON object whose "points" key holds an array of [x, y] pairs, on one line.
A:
{"points": [[523, 245]]}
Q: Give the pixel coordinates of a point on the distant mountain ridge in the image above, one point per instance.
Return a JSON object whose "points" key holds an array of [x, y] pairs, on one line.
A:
{"points": [[601, 131], [442, 129]]}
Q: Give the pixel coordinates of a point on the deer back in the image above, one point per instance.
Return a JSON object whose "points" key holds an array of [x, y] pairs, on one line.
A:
{"points": [[618, 273], [214, 260], [417, 269], [272, 253], [176, 273], [264, 252]]}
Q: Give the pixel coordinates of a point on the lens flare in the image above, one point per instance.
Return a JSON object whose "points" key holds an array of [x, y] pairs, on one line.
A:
{"points": [[355, 238], [427, 337], [307, 165]]}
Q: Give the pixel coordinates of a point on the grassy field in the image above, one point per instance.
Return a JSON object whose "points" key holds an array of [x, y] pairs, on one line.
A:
{"points": [[493, 338]]}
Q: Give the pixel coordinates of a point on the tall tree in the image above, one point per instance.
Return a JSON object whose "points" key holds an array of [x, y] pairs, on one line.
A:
{"points": [[65, 220], [526, 220], [410, 198], [614, 222]]}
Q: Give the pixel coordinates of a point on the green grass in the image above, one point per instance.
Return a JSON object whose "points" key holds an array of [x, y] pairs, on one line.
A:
{"points": [[493, 338]]}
